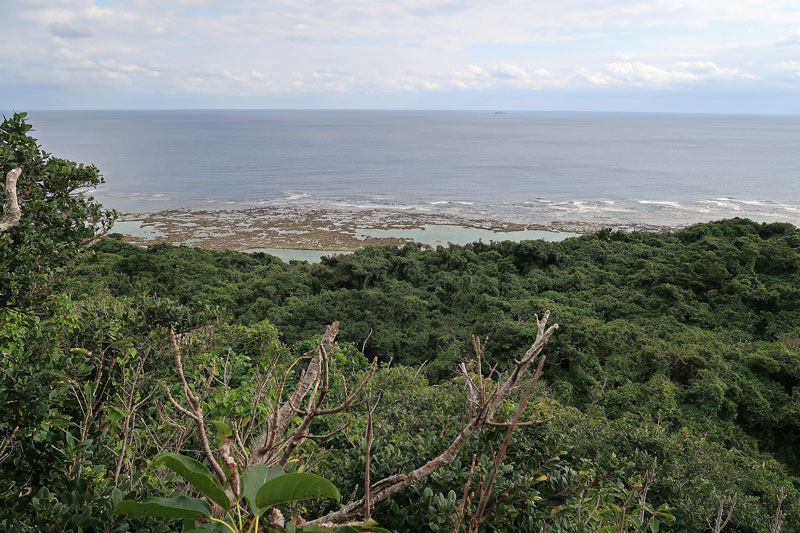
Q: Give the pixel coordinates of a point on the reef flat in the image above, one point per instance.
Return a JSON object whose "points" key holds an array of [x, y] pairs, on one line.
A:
{"points": [[332, 229]]}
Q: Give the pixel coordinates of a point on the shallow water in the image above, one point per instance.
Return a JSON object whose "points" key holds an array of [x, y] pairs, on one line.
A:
{"points": [[136, 229]]}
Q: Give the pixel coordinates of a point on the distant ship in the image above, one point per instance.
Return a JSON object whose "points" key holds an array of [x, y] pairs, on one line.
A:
{"points": [[499, 112]]}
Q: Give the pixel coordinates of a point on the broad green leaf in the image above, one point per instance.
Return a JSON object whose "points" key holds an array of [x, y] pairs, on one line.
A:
{"points": [[116, 496], [197, 474], [178, 507], [294, 487], [254, 478], [121, 342], [222, 431], [372, 526], [114, 414]]}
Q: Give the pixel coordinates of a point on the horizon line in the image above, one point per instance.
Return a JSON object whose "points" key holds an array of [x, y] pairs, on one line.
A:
{"points": [[429, 110]]}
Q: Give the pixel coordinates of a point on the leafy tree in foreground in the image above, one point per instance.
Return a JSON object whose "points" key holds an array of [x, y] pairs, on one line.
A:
{"points": [[45, 223], [46, 218]]}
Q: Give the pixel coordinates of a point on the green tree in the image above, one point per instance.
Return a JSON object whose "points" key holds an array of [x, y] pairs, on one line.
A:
{"points": [[56, 219]]}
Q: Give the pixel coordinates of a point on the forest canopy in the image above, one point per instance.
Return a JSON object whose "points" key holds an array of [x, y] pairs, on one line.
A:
{"points": [[669, 398], [668, 343]]}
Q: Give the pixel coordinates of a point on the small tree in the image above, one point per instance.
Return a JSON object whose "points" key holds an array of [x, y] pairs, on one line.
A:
{"points": [[287, 427], [46, 217]]}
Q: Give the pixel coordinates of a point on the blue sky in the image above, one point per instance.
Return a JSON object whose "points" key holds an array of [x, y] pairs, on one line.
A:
{"points": [[731, 56]]}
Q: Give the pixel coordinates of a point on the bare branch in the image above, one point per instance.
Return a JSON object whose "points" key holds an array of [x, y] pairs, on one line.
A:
{"points": [[195, 411], [465, 499], [364, 346], [348, 401], [392, 484], [649, 477], [417, 372], [282, 416], [11, 206], [6, 443], [225, 454], [776, 524], [367, 457], [721, 520], [487, 491], [178, 406], [301, 433]]}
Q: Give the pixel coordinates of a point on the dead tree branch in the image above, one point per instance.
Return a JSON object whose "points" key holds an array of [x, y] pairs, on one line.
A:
{"points": [[11, 206], [466, 498], [480, 513], [483, 413], [367, 458], [721, 520], [775, 525], [649, 477], [281, 416], [195, 410]]}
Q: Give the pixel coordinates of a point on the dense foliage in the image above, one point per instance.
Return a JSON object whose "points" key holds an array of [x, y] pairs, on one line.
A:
{"points": [[672, 390], [680, 346], [57, 220], [700, 327]]}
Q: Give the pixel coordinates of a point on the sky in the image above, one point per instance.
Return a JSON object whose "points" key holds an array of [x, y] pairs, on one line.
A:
{"points": [[693, 56]]}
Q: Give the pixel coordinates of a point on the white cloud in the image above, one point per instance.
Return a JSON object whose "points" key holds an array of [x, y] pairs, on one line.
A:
{"points": [[596, 78], [793, 38], [257, 47], [709, 69], [510, 72], [643, 74], [638, 72], [504, 75], [791, 66]]}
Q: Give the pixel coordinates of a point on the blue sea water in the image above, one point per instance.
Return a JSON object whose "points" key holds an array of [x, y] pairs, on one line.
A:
{"points": [[529, 167]]}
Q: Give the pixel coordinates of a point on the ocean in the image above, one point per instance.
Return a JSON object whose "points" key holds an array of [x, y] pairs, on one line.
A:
{"points": [[526, 167]]}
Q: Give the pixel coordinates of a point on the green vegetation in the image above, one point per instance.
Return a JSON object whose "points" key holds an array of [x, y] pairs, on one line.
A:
{"points": [[263, 488], [669, 399], [56, 218]]}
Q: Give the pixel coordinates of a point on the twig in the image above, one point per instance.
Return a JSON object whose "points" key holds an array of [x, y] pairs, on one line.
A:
{"points": [[464, 498], [195, 411], [367, 457], [364, 346], [487, 491]]}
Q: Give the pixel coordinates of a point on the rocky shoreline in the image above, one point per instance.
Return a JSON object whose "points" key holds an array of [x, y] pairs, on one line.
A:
{"points": [[318, 229]]}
